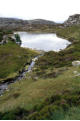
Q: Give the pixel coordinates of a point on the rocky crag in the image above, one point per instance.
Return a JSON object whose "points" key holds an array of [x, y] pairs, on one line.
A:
{"points": [[72, 20]]}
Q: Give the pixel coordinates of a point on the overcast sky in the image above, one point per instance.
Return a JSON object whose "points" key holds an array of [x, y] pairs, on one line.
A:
{"points": [[55, 10]]}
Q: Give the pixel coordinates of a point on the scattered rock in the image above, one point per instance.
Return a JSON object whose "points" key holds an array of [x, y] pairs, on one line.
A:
{"points": [[76, 63], [75, 72], [35, 78], [63, 69]]}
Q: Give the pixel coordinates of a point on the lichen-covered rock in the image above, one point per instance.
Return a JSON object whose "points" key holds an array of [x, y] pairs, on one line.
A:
{"points": [[75, 72], [74, 19], [76, 63]]}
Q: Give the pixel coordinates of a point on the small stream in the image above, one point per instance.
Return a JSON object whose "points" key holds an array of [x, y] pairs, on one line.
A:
{"points": [[4, 86]]}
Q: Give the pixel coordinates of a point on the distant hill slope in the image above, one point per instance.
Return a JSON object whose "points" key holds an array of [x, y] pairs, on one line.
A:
{"points": [[36, 24], [12, 23], [41, 21]]}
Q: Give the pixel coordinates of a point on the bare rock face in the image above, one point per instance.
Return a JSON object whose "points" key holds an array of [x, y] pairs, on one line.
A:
{"points": [[74, 19]]}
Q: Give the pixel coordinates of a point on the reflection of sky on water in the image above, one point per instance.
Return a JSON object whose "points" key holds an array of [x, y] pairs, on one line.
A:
{"points": [[44, 42]]}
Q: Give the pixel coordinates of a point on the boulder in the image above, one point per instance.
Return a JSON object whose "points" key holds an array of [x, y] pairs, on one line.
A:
{"points": [[75, 72], [76, 63], [73, 20]]}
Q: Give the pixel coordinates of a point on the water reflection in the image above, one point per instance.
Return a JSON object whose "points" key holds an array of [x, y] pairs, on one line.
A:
{"points": [[46, 42]]}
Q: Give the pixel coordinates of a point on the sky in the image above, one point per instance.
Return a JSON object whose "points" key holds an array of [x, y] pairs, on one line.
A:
{"points": [[55, 10]]}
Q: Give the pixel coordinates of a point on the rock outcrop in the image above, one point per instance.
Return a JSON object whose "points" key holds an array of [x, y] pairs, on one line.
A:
{"points": [[76, 63], [4, 40], [74, 19]]}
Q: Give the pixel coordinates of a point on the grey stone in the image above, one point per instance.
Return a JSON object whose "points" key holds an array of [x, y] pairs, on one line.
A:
{"points": [[74, 19], [76, 63]]}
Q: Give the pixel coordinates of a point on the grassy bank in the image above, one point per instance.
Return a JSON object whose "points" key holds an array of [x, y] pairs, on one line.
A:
{"points": [[13, 58], [42, 97]]}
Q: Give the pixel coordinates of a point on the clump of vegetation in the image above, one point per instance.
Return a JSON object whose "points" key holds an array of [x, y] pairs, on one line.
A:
{"points": [[52, 108], [71, 33], [56, 107], [18, 114], [17, 37]]}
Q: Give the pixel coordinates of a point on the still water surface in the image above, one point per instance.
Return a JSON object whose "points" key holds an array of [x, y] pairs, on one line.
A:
{"points": [[46, 42]]}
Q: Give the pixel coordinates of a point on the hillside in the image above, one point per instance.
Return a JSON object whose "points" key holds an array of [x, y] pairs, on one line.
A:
{"points": [[12, 59], [18, 24], [52, 89]]}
